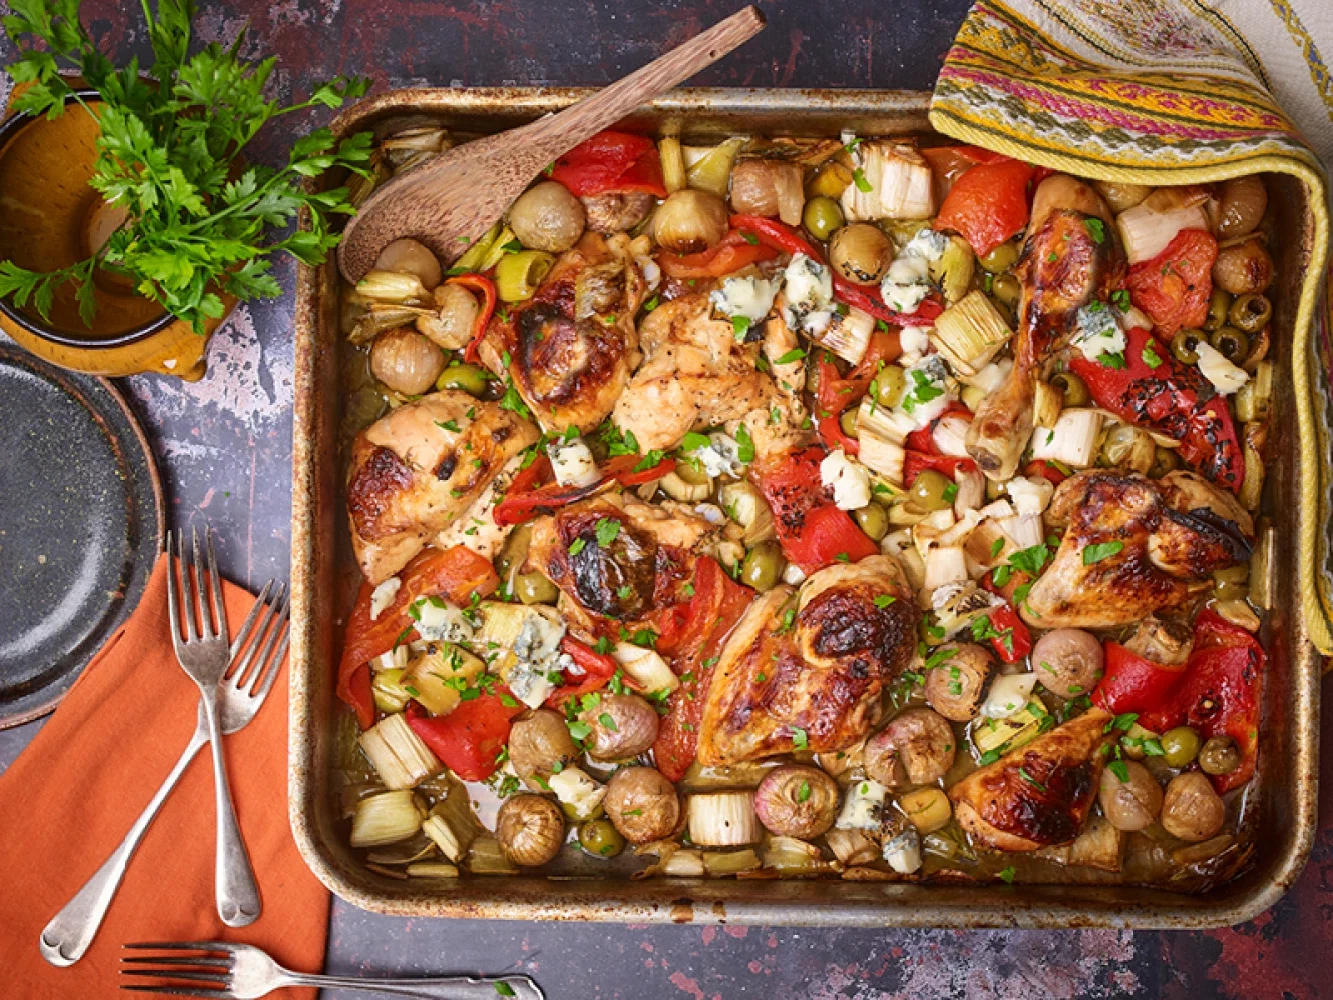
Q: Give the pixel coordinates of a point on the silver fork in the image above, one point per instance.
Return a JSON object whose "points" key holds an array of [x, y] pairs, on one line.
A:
{"points": [[243, 972], [256, 657]]}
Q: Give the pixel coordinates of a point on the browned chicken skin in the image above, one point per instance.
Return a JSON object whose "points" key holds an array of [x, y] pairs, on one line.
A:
{"points": [[1173, 534], [572, 346], [415, 471], [812, 679], [1063, 267], [1039, 794], [643, 567]]}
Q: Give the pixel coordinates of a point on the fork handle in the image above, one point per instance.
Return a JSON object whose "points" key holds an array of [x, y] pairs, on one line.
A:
{"points": [[67, 937], [233, 878], [434, 988]]}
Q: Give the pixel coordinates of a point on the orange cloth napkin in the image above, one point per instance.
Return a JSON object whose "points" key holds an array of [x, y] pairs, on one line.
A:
{"points": [[74, 792]]}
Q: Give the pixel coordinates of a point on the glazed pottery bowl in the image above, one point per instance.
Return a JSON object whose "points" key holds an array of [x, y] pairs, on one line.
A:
{"points": [[50, 218]]}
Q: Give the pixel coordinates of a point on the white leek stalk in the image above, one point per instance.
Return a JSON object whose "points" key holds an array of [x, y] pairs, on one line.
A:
{"points": [[397, 753], [723, 819], [386, 818], [881, 438], [1073, 439], [945, 564], [646, 668], [1008, 695], [970, 333], [891, 181], [1149, 226], [950, 435], [746, 506], [452, 825], [848, 336]]}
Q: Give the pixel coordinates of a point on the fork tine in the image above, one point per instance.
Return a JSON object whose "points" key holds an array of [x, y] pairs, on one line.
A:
{"points": [[248, 627], [200, 603], [195, 960], [215, 588], [180, 946], [187, 590], [270, 662], [173, 597], [217, 978], [275, 666], [279, 617], [178, 991]]}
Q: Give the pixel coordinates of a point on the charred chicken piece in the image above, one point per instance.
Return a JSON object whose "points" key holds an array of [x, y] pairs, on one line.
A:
{"points": [[1065, 265], [805, 671], [572, 346], [1134, 546], [416, 471], [1038, 795], [634, 557], [696, 376]]}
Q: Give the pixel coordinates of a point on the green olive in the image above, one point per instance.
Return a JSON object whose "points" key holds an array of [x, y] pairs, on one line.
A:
{"points": [[514, 553], [1183, 346], [1219, 755], [931, 490], [601, 839], [1238, 573], [1250, 313], [887, 387], [472, 379], [1219, 306], [1006, 288], [534, 588], [848, 421], [860, 252], [1164, 460], [1074, 388], [822, 217], [1180, 746], [763, 566], [873, 520], [692, 472], [1233, 343], [1230, 591], [1001, 258], [517, 275]]}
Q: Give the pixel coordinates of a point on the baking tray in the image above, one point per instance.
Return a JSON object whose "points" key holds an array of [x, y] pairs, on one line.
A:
{"points": [[322, 572]]}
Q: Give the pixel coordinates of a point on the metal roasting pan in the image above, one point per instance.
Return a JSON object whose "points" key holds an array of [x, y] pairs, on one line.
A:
{"points": [[323, 576]]}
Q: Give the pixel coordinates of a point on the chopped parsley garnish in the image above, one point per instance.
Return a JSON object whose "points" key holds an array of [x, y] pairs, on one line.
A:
{"points": [[740, 326], [608, 722], [923, 391], [651, 304], [1008, 874], [1022, 773], [448, 425], [603, 645], [606, 530], [950, 492], [745, 445], [803, 793], [749, 238], [1096, 229], [1113, 359], [1150, 357], [799, 738], [884, 600], [577, 546], [1120, 299], [1098, 551], [1120, 769], [649, 461], [795, 354]]}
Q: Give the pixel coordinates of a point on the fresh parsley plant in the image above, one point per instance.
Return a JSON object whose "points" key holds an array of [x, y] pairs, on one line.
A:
{"points": [[198, 219]]}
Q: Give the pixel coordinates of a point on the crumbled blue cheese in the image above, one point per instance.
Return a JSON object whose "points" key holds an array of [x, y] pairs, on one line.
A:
{"points": [[577, 792], [906, 284], [863, 809], [808, 286], [915, 342], [720, 457], [903, 852], [1214, 366], [383, 595], [1030, 496], [572, 462], [1096, 332], [538, 664], [929, 244], [750, 298], [927, 394], [1008, 695], [437, 621], [849, 480]]}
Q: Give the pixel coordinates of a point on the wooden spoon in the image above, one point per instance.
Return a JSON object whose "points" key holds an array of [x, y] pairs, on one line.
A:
{"points": [[451, 201]]}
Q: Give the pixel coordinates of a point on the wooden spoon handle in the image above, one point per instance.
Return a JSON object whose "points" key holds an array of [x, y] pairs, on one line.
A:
{"points": [[554, 136]]}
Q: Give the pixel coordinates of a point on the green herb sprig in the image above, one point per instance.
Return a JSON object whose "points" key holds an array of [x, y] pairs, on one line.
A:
{"points": [[168, 154]]}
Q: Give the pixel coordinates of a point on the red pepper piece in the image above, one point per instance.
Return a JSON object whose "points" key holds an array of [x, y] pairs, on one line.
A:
{"points": [[812, 531], [1131, 683], [485, 287], [611, 162], [1175, 286], [988, 204], [1157, 392], [731, 254], [470, 738], [598, 669], [1014, 641]]}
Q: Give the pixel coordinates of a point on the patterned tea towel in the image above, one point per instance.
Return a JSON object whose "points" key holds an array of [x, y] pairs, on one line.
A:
{"points": [[1176, 92]]}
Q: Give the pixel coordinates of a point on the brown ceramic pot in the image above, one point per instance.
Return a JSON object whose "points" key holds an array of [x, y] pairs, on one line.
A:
{"points": [[48, 213]]}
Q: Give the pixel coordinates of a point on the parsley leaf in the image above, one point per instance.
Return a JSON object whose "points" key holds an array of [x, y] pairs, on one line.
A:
{"points": [[1098, 551], [1096, 229], [577, 546], [745, 445], [800, 739]]}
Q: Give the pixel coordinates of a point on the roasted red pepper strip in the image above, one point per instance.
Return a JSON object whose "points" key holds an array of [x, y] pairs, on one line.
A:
{"points": [[611, 162], [921, 453], [523, 504], [470, 738], [598, 669], [731, 254], [988, 204], [455, 573], [948, 163], [1175, 286], [782, 237], [813, 532], [713, 611], [1158, 393], [1221, 693], [1014, 641], [1045, 469], [1131, 683], [484, 287], [625, 470]]}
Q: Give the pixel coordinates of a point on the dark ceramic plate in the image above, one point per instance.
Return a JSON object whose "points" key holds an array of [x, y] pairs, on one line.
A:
{"points": [[81, 521]]}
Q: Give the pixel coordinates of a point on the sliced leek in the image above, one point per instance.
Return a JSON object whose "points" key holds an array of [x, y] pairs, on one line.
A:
{"points": [[438, 676], [881, 437], [673, 163], [1073, 439], [646, 668], [386, 818], [712, 170], [970, 333], [398, 755], [848, 336], [746, 506], [723, 819], [953, 270], [994, 737]]}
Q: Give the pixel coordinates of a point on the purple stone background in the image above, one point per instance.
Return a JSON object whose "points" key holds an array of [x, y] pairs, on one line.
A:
{"points": [[224, 446]]}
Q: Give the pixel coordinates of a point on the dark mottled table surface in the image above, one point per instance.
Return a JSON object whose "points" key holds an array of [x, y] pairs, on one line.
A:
{"points": [[224, 445]]}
